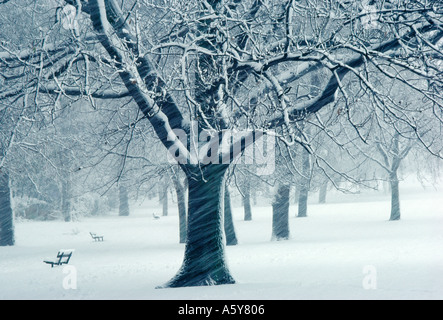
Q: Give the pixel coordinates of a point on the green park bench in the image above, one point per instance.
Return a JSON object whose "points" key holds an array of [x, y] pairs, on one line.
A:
{"points": [[63, 257], [96, 237]]}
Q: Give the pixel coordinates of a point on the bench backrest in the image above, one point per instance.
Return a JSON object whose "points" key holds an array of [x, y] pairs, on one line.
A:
{"points": [[63, 257]]}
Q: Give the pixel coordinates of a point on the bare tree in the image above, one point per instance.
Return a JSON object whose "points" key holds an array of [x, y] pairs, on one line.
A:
{"points": [[230, 235], [6, 215], [280, 213], [247, 200], [226, 65], [304, 184]]}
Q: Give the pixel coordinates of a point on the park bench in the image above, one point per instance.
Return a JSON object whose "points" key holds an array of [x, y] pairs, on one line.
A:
{"points": [[96, 237], [63, 257]]}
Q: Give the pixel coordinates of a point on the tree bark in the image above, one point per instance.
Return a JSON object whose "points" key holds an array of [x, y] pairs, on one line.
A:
{"points": [[304, 187], [123, 209], [393, 177], [181, 203], [247, 202], [6, 214], [231, 237], [204, 262], [395, 197], [303, 203], [280, 213], [164, 199]]}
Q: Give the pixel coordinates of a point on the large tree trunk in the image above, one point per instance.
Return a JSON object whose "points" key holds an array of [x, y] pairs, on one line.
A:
{"points": [[204, 260], [231, 238], [395, 197], [6, 214], [123, 209], [181, 203], [247, 202], [280, 213]]}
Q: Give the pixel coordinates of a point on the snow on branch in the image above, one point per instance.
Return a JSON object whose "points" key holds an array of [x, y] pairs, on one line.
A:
{"points": [[131, 77]]}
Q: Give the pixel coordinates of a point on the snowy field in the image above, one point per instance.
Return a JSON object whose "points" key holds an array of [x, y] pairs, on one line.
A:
{"points": [[330, 255]]}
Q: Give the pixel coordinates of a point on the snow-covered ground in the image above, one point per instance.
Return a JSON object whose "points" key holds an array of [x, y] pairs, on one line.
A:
{"points": [[340, 251]]}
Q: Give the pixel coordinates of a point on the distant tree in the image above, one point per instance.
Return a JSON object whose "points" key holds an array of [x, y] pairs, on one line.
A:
{"points": [[243, 178], [280, 213], [282, 180], [247, 200], [7, 237], [231, 237], [392, 149], [124, 201], [304, 183], [388, 143]]}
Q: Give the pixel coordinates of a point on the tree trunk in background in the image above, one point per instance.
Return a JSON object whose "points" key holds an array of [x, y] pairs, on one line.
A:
{"points": [[96, 208], [66, 199], [393, 178], [181, 203], [303, 203], [322, 193], [247, 202], [304, 186], [395, 197], [253, 194], [231, 238], [204, 260], [6, 214], [164, 199], [123, 209], [280, 213]]}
